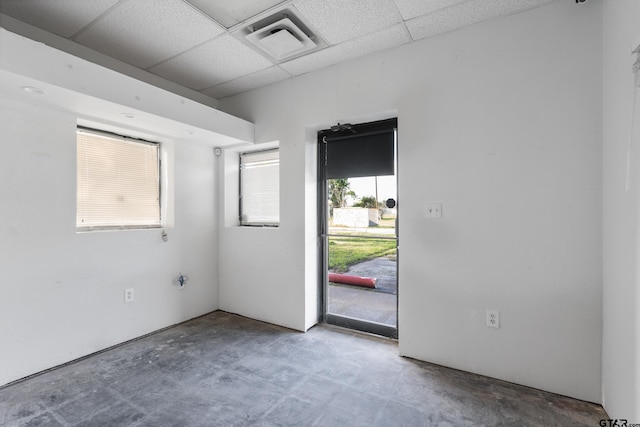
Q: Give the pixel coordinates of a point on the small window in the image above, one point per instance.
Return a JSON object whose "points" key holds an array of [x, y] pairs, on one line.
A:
{"points": [[260, 188], [118, 182]]}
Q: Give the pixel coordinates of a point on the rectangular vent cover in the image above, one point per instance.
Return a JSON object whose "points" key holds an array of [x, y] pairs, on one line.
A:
{"points": [[281, 40]]}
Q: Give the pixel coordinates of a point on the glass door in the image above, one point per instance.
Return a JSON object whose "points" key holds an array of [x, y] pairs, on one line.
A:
{"points": [[358, 218]]}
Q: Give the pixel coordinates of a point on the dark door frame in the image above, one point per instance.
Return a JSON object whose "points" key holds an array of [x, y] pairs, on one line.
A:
{"points": [[324, 316]]}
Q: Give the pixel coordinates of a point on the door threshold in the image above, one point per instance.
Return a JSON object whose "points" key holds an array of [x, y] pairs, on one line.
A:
{"points": [[344, 330], [367, 327]]}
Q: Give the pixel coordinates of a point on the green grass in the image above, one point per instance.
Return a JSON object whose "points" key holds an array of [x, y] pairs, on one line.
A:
{"points": [[346, 251]]}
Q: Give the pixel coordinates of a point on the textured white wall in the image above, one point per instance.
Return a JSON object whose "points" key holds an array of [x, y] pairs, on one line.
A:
{"points": [[621, 304], [501, 122], [63, 292]]}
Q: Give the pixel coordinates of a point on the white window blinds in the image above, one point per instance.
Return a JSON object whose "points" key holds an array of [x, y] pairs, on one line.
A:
{"points": [[118, 182], [260, 188]]}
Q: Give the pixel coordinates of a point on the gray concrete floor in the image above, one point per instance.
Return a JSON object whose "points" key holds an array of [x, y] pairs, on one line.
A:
{"points": [[226, 370]]}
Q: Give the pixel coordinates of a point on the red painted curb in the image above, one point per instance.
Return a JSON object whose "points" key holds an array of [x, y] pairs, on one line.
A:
{"points": [[348, 279]]}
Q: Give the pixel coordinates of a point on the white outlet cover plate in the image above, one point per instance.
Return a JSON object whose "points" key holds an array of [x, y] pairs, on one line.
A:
{"points": [[493, 319], [433, 210], [129, 295]]}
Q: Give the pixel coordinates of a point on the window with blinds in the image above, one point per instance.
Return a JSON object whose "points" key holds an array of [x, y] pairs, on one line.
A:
{"points": [[260, 188], [118, 182]]}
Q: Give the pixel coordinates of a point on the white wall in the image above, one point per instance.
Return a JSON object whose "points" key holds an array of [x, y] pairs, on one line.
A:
{"points": [[621, 304], [63, 292], [501, 122], [252, 263]]}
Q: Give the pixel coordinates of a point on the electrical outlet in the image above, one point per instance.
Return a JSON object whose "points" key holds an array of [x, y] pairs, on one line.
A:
{"points": [[493, 319], [129, 295], [433, 210]]}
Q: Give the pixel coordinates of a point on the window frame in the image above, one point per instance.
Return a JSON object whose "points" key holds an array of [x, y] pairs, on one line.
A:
{"points": [[130, 139], [242, 222]]}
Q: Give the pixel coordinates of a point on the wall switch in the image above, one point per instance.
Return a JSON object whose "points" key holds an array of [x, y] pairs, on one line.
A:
{"points": [[128, 295], [493, 319], [433, 210]]}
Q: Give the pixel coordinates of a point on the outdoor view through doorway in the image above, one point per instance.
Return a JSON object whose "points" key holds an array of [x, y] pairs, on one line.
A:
{"points": [[358, 226]]}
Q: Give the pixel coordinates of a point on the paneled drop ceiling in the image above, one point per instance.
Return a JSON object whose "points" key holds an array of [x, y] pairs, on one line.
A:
{"points": [[203, 44]]}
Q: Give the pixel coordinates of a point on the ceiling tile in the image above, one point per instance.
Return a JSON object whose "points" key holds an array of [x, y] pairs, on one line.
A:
{"points": [[217, 61], [245, 83], [146, 32], [342, 20], [412, 8], [184, 42], [466, 13], [509, 7], [61, 17], [229, 13], [387, 38]]}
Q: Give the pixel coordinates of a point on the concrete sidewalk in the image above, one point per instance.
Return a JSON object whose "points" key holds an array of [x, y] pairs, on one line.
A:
{"points": [[383, 269], [374, 305]]}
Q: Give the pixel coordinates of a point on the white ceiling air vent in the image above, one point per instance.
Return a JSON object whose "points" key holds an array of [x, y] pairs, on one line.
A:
{"points": [[281, 40]]}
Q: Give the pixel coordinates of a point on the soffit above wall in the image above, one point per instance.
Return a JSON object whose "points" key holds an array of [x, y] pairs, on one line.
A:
{"points": [[37, 74]]}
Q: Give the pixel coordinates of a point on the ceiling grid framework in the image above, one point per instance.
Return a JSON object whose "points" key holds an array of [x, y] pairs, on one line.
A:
{"points": [[140, 33], [201, 44]]}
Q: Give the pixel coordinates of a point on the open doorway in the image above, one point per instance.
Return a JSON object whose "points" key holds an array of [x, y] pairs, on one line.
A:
{"points": [[358, 218]]}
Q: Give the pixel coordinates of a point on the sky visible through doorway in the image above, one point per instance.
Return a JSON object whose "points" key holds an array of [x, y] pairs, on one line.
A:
{"points": [[365, 186]]}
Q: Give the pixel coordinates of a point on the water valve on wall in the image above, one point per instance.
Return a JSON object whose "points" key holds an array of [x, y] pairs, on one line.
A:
{"points": [[182, 280]]}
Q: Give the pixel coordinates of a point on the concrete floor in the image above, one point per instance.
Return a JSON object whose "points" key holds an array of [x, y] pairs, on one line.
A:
{"points": [[222, 369]]}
